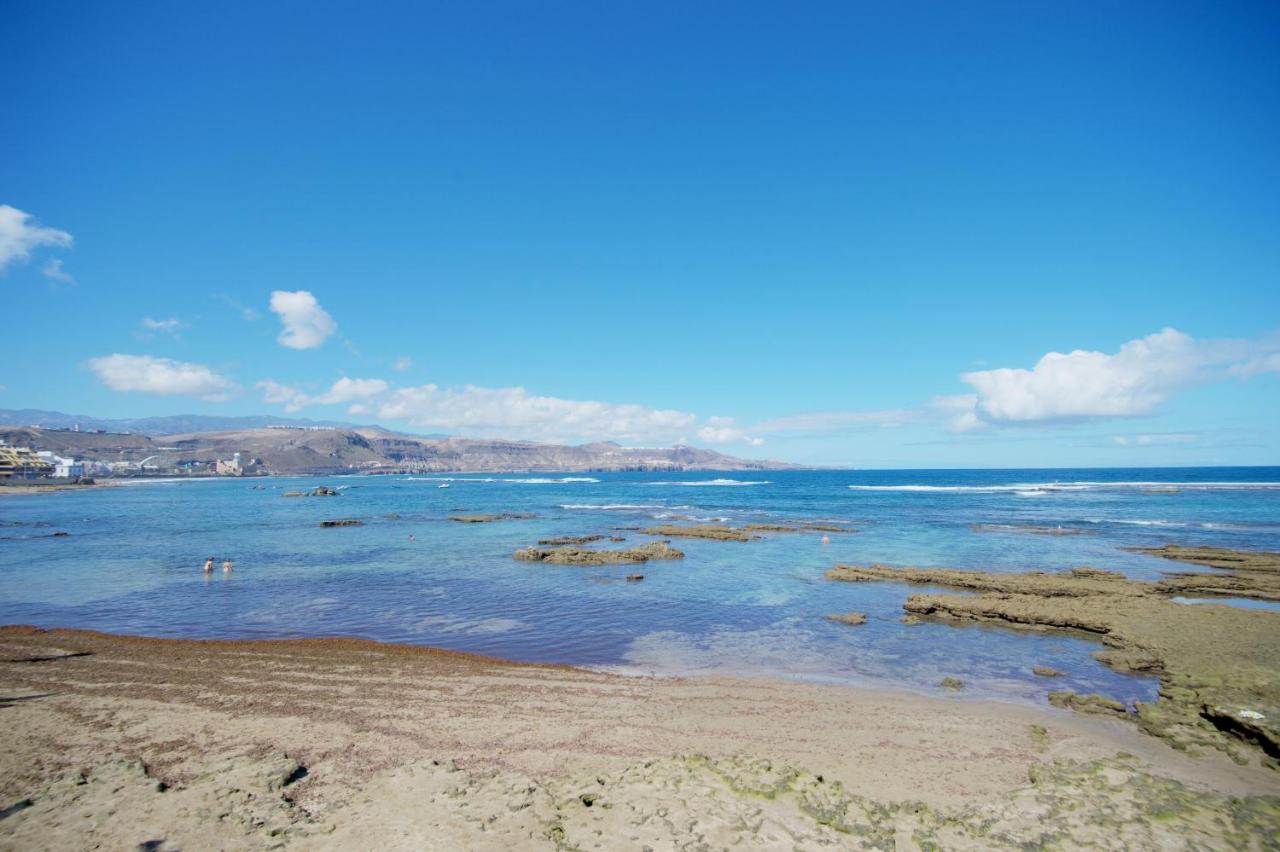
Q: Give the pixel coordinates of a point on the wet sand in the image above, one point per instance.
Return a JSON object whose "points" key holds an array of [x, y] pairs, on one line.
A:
{"points": [[120, 741]]}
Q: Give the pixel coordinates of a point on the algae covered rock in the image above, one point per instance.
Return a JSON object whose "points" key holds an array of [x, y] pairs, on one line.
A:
{"points": [[1094, 704], [589, 556], [1206, 656], [564, 540], [850, 618], [714, 532]]}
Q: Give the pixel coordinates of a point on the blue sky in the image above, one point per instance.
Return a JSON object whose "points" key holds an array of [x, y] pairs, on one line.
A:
{"points": [[843, 233]]}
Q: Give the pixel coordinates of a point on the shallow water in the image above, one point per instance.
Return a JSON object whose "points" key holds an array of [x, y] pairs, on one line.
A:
{"points": [[132, 560]]}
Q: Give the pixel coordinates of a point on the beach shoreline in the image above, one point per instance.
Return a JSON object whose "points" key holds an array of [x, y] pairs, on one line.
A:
{"points": [[370, 729]]}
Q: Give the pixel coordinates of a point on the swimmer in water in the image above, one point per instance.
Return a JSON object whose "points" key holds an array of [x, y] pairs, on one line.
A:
{"points": [[412, 537], [826, 539], [208, 565], [226, 566]]}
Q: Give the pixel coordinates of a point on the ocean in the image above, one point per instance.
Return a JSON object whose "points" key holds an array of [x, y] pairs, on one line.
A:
{"points": [[132, 557]]}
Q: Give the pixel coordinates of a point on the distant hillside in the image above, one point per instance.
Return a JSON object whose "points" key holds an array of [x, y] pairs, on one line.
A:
{"points": [[371, 449], [179, 423]]}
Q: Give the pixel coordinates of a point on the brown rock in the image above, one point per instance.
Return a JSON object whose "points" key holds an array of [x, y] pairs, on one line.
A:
{"points": [[589, 556]]}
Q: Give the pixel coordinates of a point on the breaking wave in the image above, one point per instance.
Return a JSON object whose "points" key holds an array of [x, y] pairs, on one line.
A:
{"points": [[1037, 489], [715, 482], [526, 480], [618, 507]]}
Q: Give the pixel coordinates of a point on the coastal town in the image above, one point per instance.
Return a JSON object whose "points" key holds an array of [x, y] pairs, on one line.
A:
{"points": [[34, 455], [29, 466]]}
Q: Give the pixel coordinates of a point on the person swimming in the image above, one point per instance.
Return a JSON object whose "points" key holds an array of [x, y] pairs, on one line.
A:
{"points": [[226, 566], [208, 565], [826, 539]]}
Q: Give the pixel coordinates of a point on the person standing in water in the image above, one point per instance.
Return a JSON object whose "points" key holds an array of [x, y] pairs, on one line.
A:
{"points": [[226, 566], [208, 565]]}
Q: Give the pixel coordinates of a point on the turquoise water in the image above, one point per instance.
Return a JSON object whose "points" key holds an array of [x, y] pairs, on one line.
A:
{"points": [[131, 562]]}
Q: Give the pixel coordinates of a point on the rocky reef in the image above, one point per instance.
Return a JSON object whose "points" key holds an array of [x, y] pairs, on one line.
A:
{"points": [[851, 618], [591, 556], [1219, 666], [1091, 704], [488, 519], [713, 532], [563, 540], [318, 491], [1240, 574], [344, 522]]}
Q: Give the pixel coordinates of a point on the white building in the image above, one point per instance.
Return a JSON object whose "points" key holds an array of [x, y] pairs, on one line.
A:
{"points": [[229, 467], [63, 468]]}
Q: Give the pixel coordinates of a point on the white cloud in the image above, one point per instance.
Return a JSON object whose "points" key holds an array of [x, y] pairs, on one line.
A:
{"points": [[54, 272], [402, 363], [19, 235], [722, 430], [276, 393], [515, 413], [1156, 440], [165, 326], [348, 390], [306, 324], [341, 391], [162, 376], [1134, 381]]}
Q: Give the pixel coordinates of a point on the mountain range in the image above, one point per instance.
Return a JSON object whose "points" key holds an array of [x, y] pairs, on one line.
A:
{"points": [[286, 446]]}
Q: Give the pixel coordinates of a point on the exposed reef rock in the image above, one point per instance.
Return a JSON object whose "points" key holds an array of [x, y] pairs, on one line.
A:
{"points": [[714, 532], [1219, 666], [1045, 671], [1033, 529], [1218, 557], [346, 522], [589, 556], [953, 683], [851, 618], [318, 491], [485, 519], [577, 539], [1250, 574], [1094, 704]]}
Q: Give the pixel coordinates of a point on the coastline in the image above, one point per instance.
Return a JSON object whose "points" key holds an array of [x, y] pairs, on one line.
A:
{"points": [[62, 486], [361, 722]]}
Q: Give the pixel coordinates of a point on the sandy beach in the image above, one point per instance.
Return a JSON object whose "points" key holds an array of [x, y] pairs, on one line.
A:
{"points": [[120, 742]]}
